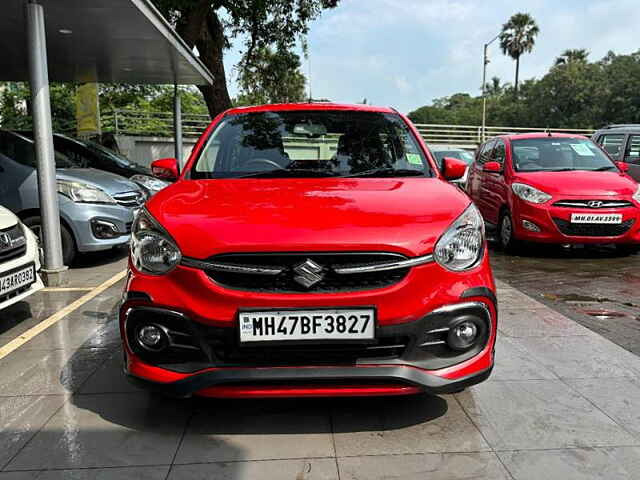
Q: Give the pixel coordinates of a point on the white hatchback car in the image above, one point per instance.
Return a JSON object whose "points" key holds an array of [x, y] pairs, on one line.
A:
{"points": [[19, 260]]}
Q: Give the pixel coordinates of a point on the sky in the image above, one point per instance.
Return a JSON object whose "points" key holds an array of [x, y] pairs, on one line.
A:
{"points": [[405, 53]]}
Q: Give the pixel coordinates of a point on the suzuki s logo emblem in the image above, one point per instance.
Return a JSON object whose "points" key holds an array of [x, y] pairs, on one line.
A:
{"points": [[308, 273], [5, 241], [594, 204]]}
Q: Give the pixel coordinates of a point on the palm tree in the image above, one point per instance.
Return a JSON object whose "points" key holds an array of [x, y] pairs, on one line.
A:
{"points": [[578, 55], [518, 36]]}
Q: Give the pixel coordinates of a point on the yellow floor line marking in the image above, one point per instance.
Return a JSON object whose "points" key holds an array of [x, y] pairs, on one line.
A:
{"points": [[59, 315], [67, 289]]}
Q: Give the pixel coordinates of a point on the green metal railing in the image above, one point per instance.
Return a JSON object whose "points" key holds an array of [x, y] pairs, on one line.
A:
{"points": [[130, 122]]}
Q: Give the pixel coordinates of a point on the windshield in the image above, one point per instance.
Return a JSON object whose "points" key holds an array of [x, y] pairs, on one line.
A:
{"points": [[328, 143], [466, 157], [107, 152], [558, 154]]}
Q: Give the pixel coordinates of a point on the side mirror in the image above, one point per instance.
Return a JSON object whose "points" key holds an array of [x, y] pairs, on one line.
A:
{"points": [[453, 168], [165, 169], [624, 168], [492, 167]]}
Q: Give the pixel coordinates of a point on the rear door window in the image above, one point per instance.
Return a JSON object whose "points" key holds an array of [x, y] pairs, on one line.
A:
{"points": [[612, 144], [632, 153]]}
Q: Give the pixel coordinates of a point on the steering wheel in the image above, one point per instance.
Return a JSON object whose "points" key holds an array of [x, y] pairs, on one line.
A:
{"points": [[264, 161]]}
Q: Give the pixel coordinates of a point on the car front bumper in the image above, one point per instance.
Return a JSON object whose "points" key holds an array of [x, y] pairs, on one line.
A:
{"points": [[554, 224], [31, 255], [407, 310], [80, 215]]}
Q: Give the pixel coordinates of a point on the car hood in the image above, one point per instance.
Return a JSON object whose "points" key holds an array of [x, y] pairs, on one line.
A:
{"points": [[7, 219], [406, 215], [109, 182], [580, 183]]}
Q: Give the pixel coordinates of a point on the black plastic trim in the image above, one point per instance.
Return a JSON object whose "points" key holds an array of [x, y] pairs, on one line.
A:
{"points": [[480, 292], [413, 376]]}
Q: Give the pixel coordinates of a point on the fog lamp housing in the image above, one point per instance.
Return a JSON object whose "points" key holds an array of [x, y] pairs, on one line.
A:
{"points": [[104, 229], [465, 333], [532, 227], [152, 337]]}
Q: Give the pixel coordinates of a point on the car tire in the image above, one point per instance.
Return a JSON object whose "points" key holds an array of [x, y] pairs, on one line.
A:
{"points": [[69, 250], [628, 248], [506, 238]]}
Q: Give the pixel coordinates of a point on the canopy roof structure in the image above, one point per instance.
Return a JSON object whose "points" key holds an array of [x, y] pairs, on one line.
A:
{"points": [[120, 41]]}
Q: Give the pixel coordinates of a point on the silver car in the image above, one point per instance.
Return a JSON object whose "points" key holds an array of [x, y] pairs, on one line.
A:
{"points": [[96, 207]]}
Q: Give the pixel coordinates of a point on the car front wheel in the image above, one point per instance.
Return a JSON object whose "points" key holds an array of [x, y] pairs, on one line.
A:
{"points": [[68, 243], [506, 235]]}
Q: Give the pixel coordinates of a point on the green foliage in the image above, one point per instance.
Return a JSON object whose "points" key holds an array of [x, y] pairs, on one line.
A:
{"points": [[255, 26], [518, 36], [573, 94], [272, 77]]}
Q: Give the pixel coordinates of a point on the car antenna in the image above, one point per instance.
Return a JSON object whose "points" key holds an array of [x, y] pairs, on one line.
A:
{"points": [[546, 130]]}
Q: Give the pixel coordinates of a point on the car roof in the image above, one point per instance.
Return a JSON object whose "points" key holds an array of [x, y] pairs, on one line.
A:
{"points": [[623, 128], [279, 107], [524, 136]]}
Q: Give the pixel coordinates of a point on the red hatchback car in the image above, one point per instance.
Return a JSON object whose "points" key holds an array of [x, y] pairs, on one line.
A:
{"points": [[309, 250], [554, 188]]}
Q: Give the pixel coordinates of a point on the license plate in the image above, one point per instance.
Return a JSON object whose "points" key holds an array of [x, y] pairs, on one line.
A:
{"points": [[608, 218], [19, 278], [330, 324]]}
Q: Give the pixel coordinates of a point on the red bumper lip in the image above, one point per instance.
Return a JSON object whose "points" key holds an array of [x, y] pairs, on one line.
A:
{"points": [[310, 381]]}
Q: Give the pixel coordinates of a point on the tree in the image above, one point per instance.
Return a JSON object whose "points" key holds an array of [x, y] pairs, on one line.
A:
{"points": [[495, 88], [273, 77], [571, 56], [211, 26], [518, 36]]}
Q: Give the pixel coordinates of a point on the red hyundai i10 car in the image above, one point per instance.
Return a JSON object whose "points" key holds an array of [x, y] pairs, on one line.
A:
{"points": [[554, 188], [309, 250]]}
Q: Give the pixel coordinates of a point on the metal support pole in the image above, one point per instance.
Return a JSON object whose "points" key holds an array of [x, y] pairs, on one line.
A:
{"points": [[53, 270], [177, 125], [485, 60]]}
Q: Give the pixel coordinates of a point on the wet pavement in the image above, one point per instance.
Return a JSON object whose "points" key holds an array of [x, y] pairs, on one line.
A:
{"points": [[562, 403], [597, 287]]}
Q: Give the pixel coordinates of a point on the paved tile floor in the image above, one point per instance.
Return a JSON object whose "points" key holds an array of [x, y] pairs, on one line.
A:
{"points": [[563, 403]]}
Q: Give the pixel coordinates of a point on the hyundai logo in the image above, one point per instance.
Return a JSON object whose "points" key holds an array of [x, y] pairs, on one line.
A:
{"points": [[594, 203], [308, 273]]}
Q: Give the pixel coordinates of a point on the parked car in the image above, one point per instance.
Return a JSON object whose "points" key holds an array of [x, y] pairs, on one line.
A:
{"points": [[19, 260], [554, 188], [309, 250], [622, 143], [88, 154], [442, 151], [96, 207]]}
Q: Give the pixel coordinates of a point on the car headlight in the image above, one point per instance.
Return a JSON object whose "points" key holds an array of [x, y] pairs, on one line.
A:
{"points": [[636, 196], [153, 251], [461, 247], [83, 193], [152, 185], [529, 193]]}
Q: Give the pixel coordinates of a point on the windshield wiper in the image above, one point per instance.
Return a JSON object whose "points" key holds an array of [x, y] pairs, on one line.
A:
{"points": [[604, 169], [387, 172]]}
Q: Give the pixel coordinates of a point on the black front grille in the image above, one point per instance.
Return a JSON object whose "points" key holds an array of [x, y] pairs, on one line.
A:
{"points": [[593, 204], [592, 229], [13, 243], [128, 226], [225, 348], [285, 281], [191, 342], [129, 199]]}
